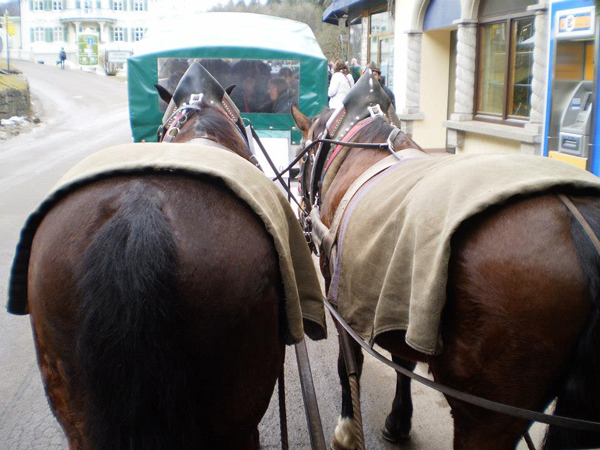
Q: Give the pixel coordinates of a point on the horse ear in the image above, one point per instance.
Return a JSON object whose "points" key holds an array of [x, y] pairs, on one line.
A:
{"points": [[230, 89], [301, 120], [163, 93]]}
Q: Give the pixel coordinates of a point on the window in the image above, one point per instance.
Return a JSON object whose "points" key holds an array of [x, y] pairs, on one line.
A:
{"points": [[117, 5], [38, 5], [87, 4], [38, 34], [59, 34], [381, 45], [138, 34], [57, 5], [505, 69], [119, 34], [354, 40], [138, 5]]}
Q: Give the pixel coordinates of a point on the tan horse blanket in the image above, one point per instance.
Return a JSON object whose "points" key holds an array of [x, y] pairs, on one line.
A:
{"points": [[303, 295], [394, 240]]}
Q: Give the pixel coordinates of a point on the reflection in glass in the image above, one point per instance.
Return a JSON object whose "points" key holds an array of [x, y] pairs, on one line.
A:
{"points": [[380, 23], [374, 49], [355, 34], [387, 62], [521, 68], [492, 68], [262, 86]]}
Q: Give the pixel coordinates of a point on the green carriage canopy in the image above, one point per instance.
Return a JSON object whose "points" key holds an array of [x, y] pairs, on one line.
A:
{"points": [[253, 51]]}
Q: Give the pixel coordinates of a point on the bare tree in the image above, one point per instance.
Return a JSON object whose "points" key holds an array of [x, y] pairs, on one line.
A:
{"points": [[309, 12]]}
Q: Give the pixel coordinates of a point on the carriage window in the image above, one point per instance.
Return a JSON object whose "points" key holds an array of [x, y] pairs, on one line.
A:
{"points": [[262, 86]]}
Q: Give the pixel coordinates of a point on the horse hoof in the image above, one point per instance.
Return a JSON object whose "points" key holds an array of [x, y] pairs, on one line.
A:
{"points": [[394, 437]]}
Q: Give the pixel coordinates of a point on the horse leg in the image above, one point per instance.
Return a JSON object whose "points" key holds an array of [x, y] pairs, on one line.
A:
{"points": [[344, 437], [398, 422]]}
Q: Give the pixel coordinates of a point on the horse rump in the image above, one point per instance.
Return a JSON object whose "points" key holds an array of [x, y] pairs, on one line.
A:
{"points": [[579, 396], [131, 370]]}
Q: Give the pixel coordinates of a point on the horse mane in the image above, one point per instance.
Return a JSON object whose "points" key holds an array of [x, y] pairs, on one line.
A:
{"points": [[379, 130], [214, 124]]}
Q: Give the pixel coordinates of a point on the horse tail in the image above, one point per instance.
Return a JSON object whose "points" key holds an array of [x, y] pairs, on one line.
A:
{"points": [[579, 397], [132, 372]]}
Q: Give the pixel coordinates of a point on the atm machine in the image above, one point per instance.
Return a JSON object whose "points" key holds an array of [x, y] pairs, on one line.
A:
{"points": [[575, 123]]}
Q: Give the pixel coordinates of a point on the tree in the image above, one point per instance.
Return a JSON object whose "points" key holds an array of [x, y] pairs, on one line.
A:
{"points": [[306, 11]]}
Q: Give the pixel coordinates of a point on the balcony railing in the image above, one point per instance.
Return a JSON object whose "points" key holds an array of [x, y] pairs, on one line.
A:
{"points": [[89, 14]]}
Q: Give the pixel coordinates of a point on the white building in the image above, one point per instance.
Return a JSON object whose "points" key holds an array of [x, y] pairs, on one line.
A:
{"points": [[86, 29]]}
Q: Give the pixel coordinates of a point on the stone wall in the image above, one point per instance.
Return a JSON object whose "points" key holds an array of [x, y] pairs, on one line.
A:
{"points": [[14, 98]]}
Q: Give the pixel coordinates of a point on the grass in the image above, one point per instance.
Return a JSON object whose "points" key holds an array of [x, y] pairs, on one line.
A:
{"points": [[14, 81]]}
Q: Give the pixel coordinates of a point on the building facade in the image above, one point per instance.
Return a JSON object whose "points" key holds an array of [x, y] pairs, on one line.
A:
{"points": [[468, 75], [86, 29]]}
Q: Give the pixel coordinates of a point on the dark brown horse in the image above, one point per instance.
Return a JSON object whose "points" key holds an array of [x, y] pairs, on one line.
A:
{"points": [[521, 324], [155, 303]]}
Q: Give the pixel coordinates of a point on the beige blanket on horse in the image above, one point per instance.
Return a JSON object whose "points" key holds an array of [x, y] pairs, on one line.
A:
{"points": [[394, 241], [303, 295]]}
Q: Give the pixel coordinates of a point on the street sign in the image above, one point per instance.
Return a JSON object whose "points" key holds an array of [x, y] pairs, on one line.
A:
{"points": [[117, 56], [87, 46]]}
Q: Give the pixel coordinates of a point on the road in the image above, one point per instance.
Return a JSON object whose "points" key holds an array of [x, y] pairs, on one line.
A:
{"points": [[82, 113]]}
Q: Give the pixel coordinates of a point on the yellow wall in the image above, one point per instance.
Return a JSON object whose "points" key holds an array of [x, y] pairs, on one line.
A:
{"points": [[435, 60], [481, 144]]}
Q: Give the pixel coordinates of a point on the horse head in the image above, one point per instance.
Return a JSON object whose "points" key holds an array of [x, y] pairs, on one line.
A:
{"points": [[201, 109], [366, 106]]}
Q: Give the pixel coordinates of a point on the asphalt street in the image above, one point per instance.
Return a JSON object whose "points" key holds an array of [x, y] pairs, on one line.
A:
{"points": [[82, 113]]}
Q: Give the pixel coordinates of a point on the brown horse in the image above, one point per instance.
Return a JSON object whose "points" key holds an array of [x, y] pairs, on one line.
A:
{"points": [[521, 324], [156, 306]]}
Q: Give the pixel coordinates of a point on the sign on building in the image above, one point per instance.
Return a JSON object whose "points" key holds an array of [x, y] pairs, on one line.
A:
{"points": [[578, 22], [88, 49], [117, 56]]}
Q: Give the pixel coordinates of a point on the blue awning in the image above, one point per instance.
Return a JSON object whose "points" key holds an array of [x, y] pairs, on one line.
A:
{"points": [[441, 14], [340, 8]]}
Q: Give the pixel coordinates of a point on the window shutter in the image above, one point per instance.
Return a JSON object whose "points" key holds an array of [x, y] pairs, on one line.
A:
{"points": [[66, 34], [47, 5], [133, 35], [111, 5], [125, 34], [31, 6], [131, 6], [98, 4], [78, 4], [145, 5], [112, 34], [48, 32], [31, 37]]}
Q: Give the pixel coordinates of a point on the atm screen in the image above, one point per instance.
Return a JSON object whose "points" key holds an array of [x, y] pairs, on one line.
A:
{"points": [[576, 103]]}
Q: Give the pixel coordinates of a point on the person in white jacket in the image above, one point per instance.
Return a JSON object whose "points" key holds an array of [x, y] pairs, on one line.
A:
{"points": [[341, 82]]}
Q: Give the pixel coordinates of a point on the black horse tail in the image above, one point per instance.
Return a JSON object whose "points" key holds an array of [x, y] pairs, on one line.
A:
{"points": [[132, 371], [579, 396]]}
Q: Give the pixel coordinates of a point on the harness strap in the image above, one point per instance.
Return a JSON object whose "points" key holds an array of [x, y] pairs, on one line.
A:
{"points": [[584, 223], [490, 405]]}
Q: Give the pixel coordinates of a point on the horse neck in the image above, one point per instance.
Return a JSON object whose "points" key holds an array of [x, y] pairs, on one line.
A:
{"points": [[357, 161], [231, 139]]}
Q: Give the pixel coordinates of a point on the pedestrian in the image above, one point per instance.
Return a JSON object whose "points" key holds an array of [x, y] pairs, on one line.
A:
{"points": [[62, 56], [377, 74], [341, 83]]}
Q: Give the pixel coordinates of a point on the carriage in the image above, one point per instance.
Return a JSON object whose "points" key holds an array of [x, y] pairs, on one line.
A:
{"points": [[253, 52]]}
